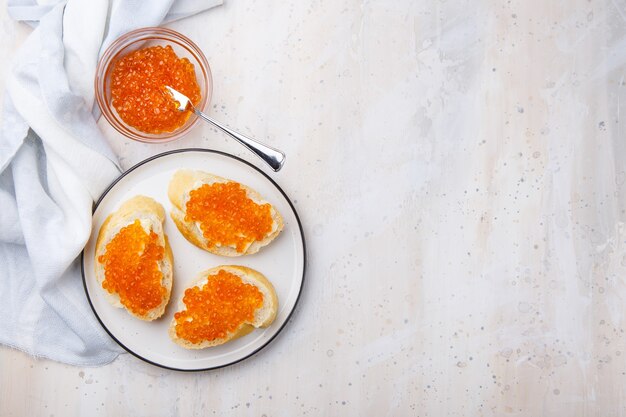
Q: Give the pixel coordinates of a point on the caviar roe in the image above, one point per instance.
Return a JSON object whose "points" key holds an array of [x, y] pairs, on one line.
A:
{"points": [[227, 216], [138, 89], [218, 308], [131, 268]]}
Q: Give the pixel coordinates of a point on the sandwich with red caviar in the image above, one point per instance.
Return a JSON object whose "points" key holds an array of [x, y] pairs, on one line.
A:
{"points": [[134, 260], [221, 216], [224, 303]]}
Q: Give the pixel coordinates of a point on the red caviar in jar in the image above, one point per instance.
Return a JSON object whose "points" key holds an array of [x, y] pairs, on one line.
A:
{"points": [[218, 308], [138, 89], [227, 216], [131, 268]]}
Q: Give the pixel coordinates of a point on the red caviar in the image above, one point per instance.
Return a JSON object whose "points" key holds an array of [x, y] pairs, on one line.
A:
{"points": [[218, 308], [227, 216], [138, 90], [131, 268]]}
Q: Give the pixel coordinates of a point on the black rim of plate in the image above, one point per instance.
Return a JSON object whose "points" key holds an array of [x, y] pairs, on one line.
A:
{"points": [[304, 265]]}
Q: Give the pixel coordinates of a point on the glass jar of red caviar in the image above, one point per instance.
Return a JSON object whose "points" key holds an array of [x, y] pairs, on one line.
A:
{"points": [[132, 44]]}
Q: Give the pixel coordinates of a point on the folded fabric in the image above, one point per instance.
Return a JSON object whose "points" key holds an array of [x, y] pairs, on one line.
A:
{"points": [[54, 162]]}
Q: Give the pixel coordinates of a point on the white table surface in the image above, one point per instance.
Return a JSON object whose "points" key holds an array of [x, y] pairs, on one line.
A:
{"points": [[459, 168]]}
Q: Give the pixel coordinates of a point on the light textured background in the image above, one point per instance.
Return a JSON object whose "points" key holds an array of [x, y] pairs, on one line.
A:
{"points": [[459, 167]]}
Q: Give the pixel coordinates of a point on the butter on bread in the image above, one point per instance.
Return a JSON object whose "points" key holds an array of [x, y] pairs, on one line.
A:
{"points": [[151, 216], [263, 316], [180, 187]]}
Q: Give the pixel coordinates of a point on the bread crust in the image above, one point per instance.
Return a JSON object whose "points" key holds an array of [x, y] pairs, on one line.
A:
{"points": [[264, 316], [151, 214], [183, 182]]}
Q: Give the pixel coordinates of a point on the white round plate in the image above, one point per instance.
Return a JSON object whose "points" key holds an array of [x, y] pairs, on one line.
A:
{"points": [[282, 262]]}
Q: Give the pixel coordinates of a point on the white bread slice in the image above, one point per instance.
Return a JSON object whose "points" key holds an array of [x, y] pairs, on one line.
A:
{"points": [[151, 215], [183, 182], [263, 316]]}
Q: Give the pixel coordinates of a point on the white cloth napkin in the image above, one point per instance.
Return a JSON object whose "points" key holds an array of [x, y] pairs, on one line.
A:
{"points": [[54, 162]]}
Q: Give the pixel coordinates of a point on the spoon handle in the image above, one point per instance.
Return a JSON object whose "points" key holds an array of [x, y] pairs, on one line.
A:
{"points": [[273, 157]]}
